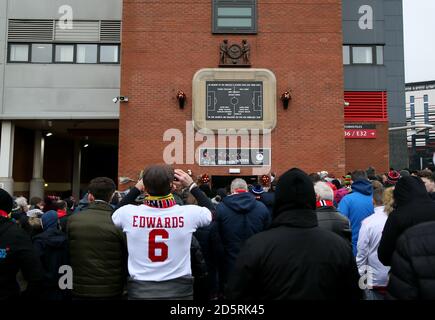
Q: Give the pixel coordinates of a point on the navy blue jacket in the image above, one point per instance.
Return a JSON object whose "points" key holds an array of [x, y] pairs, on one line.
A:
{"points": [[239, 217], [268, 198]]}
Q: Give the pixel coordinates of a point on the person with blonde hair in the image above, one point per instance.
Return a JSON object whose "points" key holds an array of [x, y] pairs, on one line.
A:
{"points": [[388, 200]]}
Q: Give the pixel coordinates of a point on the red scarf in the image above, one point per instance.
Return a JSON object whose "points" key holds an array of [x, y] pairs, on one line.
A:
{"points": [[324, 203], [237, 191], [61, 213], [4, 214]]}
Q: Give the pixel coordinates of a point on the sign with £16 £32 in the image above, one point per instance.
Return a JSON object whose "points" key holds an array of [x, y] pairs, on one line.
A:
{"points": [[360, 131]]}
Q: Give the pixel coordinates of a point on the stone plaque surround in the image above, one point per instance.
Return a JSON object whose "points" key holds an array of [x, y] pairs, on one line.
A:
{"points": [[234, 74]]}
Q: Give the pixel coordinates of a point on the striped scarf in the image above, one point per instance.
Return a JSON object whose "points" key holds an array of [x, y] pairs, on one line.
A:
{"points": [[160, 202], [324, 203]]}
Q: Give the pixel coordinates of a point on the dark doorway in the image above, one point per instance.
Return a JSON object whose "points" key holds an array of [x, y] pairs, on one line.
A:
{"points": [[225, 181]]}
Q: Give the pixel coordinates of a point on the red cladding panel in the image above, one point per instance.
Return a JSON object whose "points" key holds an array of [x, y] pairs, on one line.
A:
{"points": [[366, 106]]}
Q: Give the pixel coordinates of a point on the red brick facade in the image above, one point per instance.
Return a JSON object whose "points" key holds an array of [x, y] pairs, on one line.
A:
{"points": [[165, 43], [362, 153]]}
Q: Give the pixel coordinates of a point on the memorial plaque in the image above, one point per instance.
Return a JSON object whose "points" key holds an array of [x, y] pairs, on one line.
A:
{"points": [[234, 100], [234, 157]]}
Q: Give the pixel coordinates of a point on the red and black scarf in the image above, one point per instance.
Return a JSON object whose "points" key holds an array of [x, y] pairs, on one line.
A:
{"points": [[324, 203], [160, 202]]}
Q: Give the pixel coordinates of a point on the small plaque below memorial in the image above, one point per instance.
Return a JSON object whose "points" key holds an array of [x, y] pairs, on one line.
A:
{"points": [[234, 157], [234, 100]]}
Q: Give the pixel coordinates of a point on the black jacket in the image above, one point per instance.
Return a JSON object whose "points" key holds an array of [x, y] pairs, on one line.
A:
{"points": [[412, 268], [16, 252], [295, 259], [414, 206], [213, 252], [268, 198], [52, 248], [239, 217], [330, 219]]}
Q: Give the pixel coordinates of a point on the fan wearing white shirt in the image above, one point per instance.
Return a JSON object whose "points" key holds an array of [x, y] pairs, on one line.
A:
{"points": [[369, 238], [159, 234]]}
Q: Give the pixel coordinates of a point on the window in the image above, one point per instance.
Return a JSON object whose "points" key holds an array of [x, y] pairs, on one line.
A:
{"points": [[362, 55], [19, 53], [425, 98], [82, 53], [234, 16], [346, 55], [359, 54], [42, 53], [87, 53], [109, 54], [380, 55], [64, 53]]}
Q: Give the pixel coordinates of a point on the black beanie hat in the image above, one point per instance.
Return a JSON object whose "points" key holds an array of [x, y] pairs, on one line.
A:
{"points": [[294, 191], [6, 201]]}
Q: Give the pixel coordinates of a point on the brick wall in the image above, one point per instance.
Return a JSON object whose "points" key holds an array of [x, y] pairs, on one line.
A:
{"points": [[166, 42], [362, 153]]}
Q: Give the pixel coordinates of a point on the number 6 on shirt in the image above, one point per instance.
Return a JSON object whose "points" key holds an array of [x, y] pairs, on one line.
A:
{"points": [[152, 245]]}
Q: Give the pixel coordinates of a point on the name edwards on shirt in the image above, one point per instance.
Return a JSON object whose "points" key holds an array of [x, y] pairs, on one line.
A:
{"points": [[158, 222]]}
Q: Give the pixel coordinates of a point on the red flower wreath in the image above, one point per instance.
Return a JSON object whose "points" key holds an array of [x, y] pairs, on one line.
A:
{"points": [[265, 180], [205, 178]]}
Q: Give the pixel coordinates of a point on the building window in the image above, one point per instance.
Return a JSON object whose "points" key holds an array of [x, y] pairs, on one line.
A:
{"points": [[87, 53], [234, 16], [346, 55], [19, 53], [42, 53], [425, 98], [109, 54], [82, 53], [412, 108], [359, 54], [64, 53], [362, 55], [380, 55]]}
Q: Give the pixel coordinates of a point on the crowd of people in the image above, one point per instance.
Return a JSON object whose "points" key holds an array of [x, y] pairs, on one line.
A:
{"points": [[301, 236]]}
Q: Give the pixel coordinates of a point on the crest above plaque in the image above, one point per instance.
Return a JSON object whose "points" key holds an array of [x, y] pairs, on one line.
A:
{"points": [[235, 55]]}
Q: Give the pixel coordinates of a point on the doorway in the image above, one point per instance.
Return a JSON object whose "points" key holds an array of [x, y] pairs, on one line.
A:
{"points": [[225, 181]]}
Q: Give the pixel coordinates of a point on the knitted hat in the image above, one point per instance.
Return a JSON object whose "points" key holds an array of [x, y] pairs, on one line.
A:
{"points": [[257, 189], [6, 201], [295, 190], [347, 180], [392, 177]]}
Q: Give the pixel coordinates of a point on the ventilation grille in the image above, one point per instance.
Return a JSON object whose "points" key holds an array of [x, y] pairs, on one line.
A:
{"points": [[30, 30], [81, 31], [110, 31], [366, 106], [51, 30]]}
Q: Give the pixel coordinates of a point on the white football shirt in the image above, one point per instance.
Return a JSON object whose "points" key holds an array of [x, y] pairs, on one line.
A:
{"points": [[158, 240]]}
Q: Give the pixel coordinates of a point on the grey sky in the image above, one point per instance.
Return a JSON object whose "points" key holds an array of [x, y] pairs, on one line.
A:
{"points": [[419, 28]]}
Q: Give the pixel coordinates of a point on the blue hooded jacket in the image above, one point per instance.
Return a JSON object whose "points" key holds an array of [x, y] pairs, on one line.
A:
{"points": [[49, 220], [357, 206], [238, 217]]}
